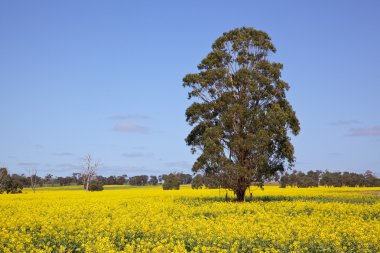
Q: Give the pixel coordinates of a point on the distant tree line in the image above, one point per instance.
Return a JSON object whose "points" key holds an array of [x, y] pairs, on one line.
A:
{"points": [[75, 179], [326, 178], [138, 180], [182, 178], [14, 183], [169, 181], [118, 180]]}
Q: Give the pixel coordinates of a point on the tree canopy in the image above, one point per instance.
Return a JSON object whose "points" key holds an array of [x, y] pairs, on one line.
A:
{"points": [[8, 184], [241, 117], [172, 182]]}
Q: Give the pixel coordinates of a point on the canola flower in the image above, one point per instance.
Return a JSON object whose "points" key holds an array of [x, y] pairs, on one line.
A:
{"points": [[148, 219]]}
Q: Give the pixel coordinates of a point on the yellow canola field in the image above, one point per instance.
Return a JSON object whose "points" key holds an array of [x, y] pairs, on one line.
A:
{"points": [[148, 219]]}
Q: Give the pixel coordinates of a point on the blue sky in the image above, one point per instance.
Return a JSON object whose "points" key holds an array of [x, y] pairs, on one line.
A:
{"points": [[105, 78]]}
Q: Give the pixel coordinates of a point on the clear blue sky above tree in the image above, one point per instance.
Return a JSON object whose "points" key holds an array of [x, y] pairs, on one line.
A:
{"points": [[106, 78]]}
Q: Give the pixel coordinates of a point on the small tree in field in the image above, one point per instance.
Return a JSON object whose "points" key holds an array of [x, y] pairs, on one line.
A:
{"points": [[240, 115], [172, 182], [89, 170], [95, 185], [33, 179]]}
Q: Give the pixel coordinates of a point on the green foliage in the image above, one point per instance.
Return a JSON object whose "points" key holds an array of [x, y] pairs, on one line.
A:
{"points": [[197, 182], [183, 178], [95, 185], [326, 178], [240, 117], [138, 180], [172, 182], [112, 180], [212, 181], [9, 184], [153, 180]]}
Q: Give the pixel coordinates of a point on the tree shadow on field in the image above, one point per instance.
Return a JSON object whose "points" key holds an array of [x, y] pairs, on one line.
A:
{"points": [[280, 198]]}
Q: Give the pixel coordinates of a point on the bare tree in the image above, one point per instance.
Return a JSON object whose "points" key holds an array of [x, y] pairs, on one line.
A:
{"points": [[33, 179], [89, 170]]}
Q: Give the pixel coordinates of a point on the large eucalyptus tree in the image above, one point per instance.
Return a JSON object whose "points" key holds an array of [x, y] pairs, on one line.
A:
{"points": [[241, 117]]}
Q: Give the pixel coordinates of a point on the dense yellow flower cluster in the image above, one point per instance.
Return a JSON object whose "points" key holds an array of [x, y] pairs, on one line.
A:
{"points": [[149, 219]]}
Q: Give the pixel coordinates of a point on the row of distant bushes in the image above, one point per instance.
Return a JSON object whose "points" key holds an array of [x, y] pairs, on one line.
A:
{"points": [[15, 183], [326, 178], [170, 182]]}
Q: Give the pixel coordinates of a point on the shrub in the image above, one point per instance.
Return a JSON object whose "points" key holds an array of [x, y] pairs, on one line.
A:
{"points": [[9, 184], [95, 185], [172, 182]]}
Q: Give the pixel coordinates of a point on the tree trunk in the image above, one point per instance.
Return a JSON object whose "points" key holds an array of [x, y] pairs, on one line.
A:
{"points": [[87, 183], [240, 194]]}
